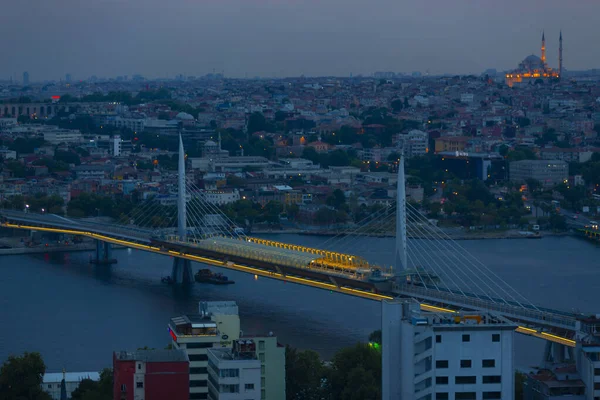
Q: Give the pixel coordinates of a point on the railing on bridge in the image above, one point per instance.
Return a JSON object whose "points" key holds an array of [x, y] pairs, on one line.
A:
{"points": [[537, 316]]}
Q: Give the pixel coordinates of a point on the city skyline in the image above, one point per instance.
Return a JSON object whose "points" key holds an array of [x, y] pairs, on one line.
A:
{"points": [[284, 38]]}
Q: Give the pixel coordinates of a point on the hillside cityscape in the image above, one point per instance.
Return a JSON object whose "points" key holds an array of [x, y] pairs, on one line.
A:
{"points": [[499, 155]]}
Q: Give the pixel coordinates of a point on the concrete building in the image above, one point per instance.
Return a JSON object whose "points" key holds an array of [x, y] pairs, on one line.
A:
{"points": [[441, 356], [59, 136], [151, 375], [52, 382], [271, 355], [549, 173], [568, 155], [587, 355], [414, 143], [216, 325], [220, 197], [234, 374], [562, 383]]}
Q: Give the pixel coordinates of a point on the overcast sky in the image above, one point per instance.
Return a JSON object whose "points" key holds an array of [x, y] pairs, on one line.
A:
{"points": [[160, 38]]}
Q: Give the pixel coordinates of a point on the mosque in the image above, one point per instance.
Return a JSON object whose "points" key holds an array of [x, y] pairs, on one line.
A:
{"points": [[533, 67]]}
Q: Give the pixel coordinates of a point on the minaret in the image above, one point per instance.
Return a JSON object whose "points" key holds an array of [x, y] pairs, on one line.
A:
{"points": [[543, 49], [560, 66]]}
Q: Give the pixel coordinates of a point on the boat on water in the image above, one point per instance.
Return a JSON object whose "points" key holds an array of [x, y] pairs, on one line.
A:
{"points": [[207, 276]]}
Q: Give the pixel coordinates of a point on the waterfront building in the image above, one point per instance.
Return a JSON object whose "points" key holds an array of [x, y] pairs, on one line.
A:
{"points": [[445, 356], [52, 382], [234, 374], [151, 375], [549, 173]]}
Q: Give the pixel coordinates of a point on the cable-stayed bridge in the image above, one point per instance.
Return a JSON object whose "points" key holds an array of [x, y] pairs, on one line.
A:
{"points": [[429, 266]]}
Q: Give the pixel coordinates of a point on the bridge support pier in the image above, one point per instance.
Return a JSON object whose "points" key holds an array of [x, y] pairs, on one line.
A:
{"points": [[103, 254], [181, 273], [556, 353]]}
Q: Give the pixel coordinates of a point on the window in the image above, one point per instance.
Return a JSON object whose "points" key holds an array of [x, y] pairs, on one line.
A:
{"points": [[262, 382], [465, 396], [249, 386], [466, 338], [488, 363], [492, 395], [596, 386], [263, 394], [229, 373], [123, 388], [262, 369], [198, 396], [198, 357], [465, 363], [199, 370], [465, 380], [441, 396], [438, 338], [492, 379], [229, 389], [496, 337], [49, 386], [261, 357], [261, 345], [596, 371], [198, 345], [441, 380], [139, 385], [139, 366], [441, 364], [198, 383]]}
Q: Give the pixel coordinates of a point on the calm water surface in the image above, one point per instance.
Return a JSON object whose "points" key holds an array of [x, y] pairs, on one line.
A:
{"points": [[76, 314]]}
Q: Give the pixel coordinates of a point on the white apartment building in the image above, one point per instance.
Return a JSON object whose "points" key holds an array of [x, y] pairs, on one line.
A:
{"points": [[445, 356], [59, 136], [217, 325], [414, 143], [588, 355], [134, 124], [219, 197], [234, 374]]}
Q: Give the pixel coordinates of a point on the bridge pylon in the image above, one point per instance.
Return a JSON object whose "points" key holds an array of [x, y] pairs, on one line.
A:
{"points": [[557, 354], [181, 274], [103, 254], [400, 252]]}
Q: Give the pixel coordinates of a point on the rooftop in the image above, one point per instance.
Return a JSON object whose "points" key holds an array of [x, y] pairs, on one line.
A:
{"points": [[153, 355], [230, 355]]}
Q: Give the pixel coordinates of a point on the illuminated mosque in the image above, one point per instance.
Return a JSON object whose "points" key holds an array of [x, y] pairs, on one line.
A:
{"points": [[534, 67]]}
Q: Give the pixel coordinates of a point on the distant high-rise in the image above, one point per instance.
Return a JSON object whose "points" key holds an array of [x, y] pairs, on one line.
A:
{"points": [[68, 78], [25, 78]]}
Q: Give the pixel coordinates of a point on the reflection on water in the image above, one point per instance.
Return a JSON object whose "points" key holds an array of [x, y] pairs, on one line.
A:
{"points": [[76, 314]]}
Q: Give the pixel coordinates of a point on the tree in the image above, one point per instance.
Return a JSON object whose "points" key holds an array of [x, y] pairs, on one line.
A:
{"points": [[356, 373], [311, 154], [257, 122], [21, 377], [397, 105], [304, 374], [520, 379], [337, 199], [95, 390], [375, 337]]}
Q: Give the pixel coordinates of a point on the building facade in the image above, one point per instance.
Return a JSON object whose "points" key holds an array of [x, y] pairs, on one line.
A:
{"points": [[216, 325], [234, 374], [548, 173], [431, 356], [151, 375]]}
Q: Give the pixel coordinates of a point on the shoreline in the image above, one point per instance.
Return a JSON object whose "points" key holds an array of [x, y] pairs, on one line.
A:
{"points": [[14, 251]]}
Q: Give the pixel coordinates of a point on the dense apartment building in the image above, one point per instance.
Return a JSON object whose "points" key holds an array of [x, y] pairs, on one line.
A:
{"points": [[548, 173], [217, 326], [150, 375], [451, 143], [441, 356], [567, 154], [414, 143]]}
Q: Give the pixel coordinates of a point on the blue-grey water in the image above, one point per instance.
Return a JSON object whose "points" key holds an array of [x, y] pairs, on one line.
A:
{"points": [[76, 314]]}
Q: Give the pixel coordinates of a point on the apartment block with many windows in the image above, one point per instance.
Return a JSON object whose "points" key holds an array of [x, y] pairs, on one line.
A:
{"points": [[445, 356]]}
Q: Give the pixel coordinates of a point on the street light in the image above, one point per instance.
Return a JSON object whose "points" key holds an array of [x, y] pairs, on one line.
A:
{"points": [[26, 207]]}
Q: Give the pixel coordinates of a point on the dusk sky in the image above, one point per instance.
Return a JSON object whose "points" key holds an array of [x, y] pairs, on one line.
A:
{"points": [[158, 38]]}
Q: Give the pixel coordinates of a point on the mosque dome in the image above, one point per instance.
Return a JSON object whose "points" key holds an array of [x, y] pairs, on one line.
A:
{"points": [[209, 143], [532, 62], [184, 116]]}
